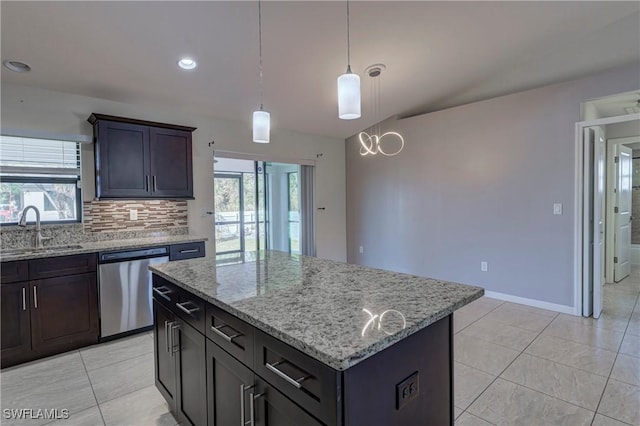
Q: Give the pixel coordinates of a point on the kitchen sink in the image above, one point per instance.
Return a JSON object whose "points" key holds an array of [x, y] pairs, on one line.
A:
{"points": [[47, 249]]}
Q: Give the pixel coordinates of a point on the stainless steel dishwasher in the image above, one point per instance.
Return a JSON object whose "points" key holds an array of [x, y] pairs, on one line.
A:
{"points": [[125, 289]]}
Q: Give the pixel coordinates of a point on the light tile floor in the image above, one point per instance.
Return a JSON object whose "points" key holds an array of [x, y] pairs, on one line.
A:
{"points": [[106, 384], [514, 365], [518, 365]]}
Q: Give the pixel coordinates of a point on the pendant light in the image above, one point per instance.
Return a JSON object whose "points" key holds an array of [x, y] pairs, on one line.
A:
{"points": [[348, 87], [375, 142], [261, 118]]}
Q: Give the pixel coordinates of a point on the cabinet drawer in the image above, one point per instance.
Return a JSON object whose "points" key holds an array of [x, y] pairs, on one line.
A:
{"points": [[63, 265], [14, 271], [185, 305], [311, 384], [186, 251], [164, 292], [191, 309], [230, 333]]}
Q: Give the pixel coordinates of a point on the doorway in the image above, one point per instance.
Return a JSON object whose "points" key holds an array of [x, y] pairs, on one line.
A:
{"points": [[263, 205], [600, 214]]}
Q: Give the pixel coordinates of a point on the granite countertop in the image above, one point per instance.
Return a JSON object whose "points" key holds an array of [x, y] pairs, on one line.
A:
{"points": [[92, 247], [334, 312]]}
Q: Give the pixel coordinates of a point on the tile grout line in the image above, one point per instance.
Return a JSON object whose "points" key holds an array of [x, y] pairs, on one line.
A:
{"points": [[92, 390], [482, 316], [509, 365], [614, 362]]}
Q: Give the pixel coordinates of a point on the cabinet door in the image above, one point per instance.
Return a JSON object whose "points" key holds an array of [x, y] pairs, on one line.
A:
{"points": [[274, 409], [15, 323], [229, 384], [122, 160], [171, 163], [165, 364], [191, 378], [64, 312]]}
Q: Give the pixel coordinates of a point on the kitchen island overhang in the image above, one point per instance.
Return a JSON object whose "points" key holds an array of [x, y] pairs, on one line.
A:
{"points": [[344, 343]]}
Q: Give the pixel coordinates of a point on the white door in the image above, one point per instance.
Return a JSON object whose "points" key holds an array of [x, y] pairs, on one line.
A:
{"points": [[593, 251], [622, 213]]}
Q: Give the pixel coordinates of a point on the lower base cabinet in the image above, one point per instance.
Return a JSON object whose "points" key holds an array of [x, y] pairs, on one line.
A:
{"points": [[237, 396], [180, 370], [274, 409], [214, 369], [52, 309], [15, 322]]}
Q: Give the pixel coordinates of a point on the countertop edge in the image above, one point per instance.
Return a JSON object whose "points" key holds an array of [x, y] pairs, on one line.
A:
{"points": [[109, 245], [336, 364]]}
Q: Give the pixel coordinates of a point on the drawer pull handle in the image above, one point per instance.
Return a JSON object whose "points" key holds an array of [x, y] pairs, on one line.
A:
{"points": [[243, 389], [226, 337], [24, 299], [189, 251], [187, 310], [173, 326], [162, 292], [35, 297], [252, 409], [294, 382], [166, 336]]}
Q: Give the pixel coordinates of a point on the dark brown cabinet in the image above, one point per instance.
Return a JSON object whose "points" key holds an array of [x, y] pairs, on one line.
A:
{"points": [[180, 366], [45, 316], [216, 369], [16, 328], [141, 159], [230, 386], [272, 408], [165, 366], [63, 312]]}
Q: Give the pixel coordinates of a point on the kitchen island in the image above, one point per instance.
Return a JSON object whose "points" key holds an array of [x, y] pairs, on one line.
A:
{"points": [[277, 339]]}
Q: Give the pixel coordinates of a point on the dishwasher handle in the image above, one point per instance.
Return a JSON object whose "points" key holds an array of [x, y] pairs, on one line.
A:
{"points": [[125, 256]]}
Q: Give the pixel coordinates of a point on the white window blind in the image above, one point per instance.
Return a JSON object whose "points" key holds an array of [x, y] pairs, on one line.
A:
{"points": [[21, 156]]}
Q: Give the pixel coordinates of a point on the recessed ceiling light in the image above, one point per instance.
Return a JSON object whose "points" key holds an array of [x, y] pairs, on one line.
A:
{"points": [[187, 63], [16, 66]]}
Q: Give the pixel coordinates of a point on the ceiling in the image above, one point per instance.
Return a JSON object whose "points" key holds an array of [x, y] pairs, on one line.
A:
{"points": [[437, 54]]}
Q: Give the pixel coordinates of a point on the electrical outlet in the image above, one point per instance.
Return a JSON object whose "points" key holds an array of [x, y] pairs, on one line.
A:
{"points": [[133, 214], [361, 249], [407, 390], [557, 208], [484, 266]]}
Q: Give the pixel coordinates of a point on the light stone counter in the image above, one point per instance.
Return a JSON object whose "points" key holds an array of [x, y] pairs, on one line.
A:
{"points": [[334, 312], [98, 246]]}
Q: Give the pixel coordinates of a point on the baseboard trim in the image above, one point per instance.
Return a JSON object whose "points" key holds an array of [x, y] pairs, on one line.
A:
{"points": [[531, 302]]}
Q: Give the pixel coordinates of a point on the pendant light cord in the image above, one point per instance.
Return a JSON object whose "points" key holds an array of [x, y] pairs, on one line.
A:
{"points": [[348, 42], [260, 49]]}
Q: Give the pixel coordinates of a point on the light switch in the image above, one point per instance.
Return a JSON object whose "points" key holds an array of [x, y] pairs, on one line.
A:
{"points": [[557, 208], [133, 214], [361, 249]]}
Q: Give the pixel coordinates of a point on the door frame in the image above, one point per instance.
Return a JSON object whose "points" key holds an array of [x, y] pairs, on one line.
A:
{"points": [[579, 206], [609, 218]]}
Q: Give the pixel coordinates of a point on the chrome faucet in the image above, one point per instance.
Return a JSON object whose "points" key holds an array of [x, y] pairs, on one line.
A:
{"points": [[37, 236]]}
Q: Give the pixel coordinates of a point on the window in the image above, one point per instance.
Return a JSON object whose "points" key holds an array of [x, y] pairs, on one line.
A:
{"points": [[293, 214], [39, 172]]}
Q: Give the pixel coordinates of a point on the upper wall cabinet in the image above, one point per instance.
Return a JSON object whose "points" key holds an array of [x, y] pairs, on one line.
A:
{"points": [[141, 159]]}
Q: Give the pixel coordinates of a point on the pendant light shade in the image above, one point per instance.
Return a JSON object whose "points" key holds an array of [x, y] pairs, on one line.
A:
{"points": [[261, 126], [349, 96], [261, 118], [348, 86]]}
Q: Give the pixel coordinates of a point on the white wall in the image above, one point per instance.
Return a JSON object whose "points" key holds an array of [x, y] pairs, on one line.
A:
{"points": [[56, 112], [478, 183]]}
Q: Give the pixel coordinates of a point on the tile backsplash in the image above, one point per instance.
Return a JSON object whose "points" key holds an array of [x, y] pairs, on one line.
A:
{"points": [[153, 215], [108, 220]]}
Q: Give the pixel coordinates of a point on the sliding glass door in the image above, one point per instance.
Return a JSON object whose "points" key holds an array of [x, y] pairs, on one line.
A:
{"points": [[261, 206], [229, 220]]}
